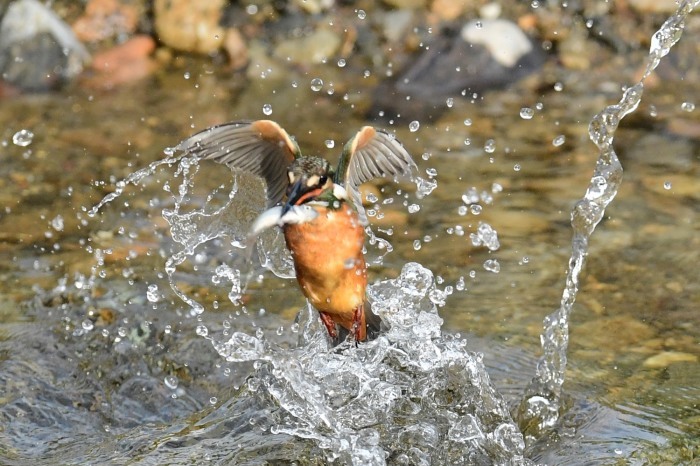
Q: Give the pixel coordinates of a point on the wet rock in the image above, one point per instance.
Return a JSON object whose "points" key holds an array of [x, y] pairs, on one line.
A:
{"points": [[38, 51], [413, 4], [236, 48], [654, 6], [106, 19], [189, 25], [448, 10], [483, 55], [666, 358], [124, 63], [315, 48]]}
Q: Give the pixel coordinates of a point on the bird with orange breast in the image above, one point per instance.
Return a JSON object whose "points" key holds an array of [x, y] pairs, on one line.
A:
{"points": [[322, 216]]}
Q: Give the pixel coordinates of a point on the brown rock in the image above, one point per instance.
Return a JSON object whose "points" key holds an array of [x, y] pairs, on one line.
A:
{"points": [[236, 48], [666, 358], [653, 6], [105, 19], [124, 63], [189, 25], [449, 10]]}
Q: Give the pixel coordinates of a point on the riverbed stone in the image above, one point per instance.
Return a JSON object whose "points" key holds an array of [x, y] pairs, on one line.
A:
{"points": [[666, 358], [106, 19], [189, 25], [315, 48]]}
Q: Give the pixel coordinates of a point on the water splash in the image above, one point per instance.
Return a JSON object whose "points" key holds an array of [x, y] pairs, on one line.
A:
{"points": [[413, 396], [541, 404]]}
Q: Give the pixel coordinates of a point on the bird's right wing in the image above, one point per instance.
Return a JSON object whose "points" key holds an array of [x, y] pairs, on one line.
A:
{"points": [[259, 147]]}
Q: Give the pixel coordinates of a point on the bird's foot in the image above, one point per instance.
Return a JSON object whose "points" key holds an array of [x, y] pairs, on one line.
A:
{"points": [[330, 325], [357, 323]]}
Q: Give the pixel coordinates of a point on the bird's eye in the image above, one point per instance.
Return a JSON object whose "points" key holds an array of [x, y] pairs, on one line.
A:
{"points": [[322, 181]]}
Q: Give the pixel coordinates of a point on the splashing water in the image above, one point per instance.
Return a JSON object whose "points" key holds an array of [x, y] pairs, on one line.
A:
{"points": [[540, 407], [412, 392]]}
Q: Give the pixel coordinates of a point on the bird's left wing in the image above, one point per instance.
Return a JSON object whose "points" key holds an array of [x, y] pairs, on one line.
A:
{"points": [[259, 147], [371, 153]]}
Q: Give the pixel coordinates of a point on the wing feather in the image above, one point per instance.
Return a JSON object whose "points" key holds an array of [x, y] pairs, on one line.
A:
{"points": [[371, 153], [260, 147]]}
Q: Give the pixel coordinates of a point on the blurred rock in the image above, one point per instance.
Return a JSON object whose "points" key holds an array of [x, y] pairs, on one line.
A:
{"points": [[654, 6], [315, 48], [666, 358], [106, 19], [236, 48], [448, 10], [38, 51], [189, 25], [124, 63], [483, 55], [407, 3]]}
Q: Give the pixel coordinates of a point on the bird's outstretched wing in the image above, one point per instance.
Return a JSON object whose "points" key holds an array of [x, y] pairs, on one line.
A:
{"points": [[259, 147], [371, 153]]}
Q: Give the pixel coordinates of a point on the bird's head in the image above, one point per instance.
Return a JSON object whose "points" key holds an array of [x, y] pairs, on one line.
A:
{"points": [[308, 178]]}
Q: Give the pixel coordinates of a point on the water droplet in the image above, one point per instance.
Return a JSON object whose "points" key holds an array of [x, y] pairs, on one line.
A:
{"points": [[171, 382], [492, 265], [490, 146], [479, 24], [431, 172], [517, 167], [23, 138], [341, 63], [267, 109], [667, 185], [213, 400], [687, 106], [187, 75], [88, 325], [57, 223], [653, 112], [414, 126], [468, 122], [450, 102], [152, 293], [202, 330], [316, 84], [558, 87], [361, 14], [475, 209], [330, 143], [526, 113], [559, 140], [416, 244], [413, 208]]}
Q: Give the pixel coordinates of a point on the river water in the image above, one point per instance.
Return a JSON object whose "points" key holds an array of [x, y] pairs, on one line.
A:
{"points": [[101, 362]]}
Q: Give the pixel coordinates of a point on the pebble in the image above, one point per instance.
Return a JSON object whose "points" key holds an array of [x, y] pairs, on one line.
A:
{"points": [[124, 63], [189, 25], [236, 48], [106, 19], [653, 6], [666, 358], [318, 47]]}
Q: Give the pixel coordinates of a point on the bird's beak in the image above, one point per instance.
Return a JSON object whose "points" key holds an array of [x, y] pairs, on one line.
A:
{"points": [[294, 192]]}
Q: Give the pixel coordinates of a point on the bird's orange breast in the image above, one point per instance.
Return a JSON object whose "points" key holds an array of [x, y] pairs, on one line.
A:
{"points": [[329, 263]]}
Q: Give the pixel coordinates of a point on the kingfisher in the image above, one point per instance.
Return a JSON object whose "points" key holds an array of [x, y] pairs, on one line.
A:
{"points": [[318, 208]]}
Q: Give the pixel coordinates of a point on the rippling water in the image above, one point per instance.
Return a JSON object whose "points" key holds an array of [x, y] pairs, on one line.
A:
{"points": [[101, 362]]}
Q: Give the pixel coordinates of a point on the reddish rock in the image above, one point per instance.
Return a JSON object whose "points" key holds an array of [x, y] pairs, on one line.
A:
{"points": [[124, 63], [105, 19]]}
